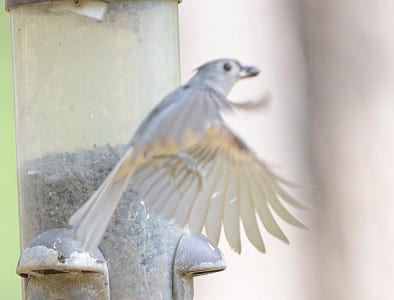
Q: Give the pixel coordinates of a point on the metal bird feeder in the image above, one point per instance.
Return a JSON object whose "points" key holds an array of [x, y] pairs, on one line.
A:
{"points": [[85, 74]]}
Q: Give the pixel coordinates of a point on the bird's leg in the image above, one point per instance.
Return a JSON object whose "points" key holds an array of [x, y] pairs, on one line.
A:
{"points": [[179, 161]]}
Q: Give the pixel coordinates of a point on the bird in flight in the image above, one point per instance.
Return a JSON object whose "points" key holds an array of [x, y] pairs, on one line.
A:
{"points": [[188, 165]]}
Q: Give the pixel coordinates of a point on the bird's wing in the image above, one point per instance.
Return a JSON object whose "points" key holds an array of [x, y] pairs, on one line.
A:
{"points": [[183, 114], [233, 186], [90, 221], [183, 117]]}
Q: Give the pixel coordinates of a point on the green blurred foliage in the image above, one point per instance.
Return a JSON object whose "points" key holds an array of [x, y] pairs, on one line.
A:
{"points": [[10, 287]]}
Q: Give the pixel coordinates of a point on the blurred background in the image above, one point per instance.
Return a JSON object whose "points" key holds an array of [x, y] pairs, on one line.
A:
{"points": [[329, 66]]}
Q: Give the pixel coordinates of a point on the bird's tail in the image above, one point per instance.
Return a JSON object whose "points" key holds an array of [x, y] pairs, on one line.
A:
{"points": [[91, 220]]}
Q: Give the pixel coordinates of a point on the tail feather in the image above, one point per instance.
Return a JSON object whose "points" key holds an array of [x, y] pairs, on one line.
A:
{"points": [[91, 220]]}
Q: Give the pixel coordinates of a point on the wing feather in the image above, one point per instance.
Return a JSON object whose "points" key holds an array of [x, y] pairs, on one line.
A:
{"points": [[201, 205], [231, 213], [151, 183], [196, 195], [274, 202], [237, 187], [182, 212], [216, 210], [286, 197], [162, 203], [263, 211], [247, 210]]}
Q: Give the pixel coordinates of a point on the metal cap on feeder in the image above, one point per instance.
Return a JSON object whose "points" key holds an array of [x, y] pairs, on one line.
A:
{"points": [[56, 268]]}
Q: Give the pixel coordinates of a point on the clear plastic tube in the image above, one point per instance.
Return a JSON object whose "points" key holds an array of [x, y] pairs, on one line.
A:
{"points": [[84, 77]]}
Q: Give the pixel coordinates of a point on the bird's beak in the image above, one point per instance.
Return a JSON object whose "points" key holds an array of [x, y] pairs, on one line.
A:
{"points": [[248, 71]]}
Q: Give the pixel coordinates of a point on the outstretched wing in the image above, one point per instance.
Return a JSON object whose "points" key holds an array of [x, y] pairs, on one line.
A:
{"points": [[225, 184]]}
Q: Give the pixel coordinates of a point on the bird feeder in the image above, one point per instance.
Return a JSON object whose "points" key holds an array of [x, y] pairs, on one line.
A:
{"points": [[86, 72]]}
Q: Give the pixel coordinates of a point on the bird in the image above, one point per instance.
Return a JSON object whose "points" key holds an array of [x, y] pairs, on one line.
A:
{"points": [[189, 166]]}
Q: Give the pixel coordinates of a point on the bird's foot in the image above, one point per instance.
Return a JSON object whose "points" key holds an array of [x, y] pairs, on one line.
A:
{"points": [[192, 169], [183, 163]]}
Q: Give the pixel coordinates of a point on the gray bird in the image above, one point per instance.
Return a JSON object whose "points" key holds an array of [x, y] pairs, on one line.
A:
{"points": [[189, 166]]}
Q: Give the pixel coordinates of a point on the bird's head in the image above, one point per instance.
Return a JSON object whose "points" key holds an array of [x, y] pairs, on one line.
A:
{"points": [[222, 74]]}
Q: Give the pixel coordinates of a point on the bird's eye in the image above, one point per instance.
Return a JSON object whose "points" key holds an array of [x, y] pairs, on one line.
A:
{"points": [[227, 67]]}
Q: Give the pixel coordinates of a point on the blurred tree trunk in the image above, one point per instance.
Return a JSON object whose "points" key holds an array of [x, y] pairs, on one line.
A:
{"points": [[350, 52]]}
